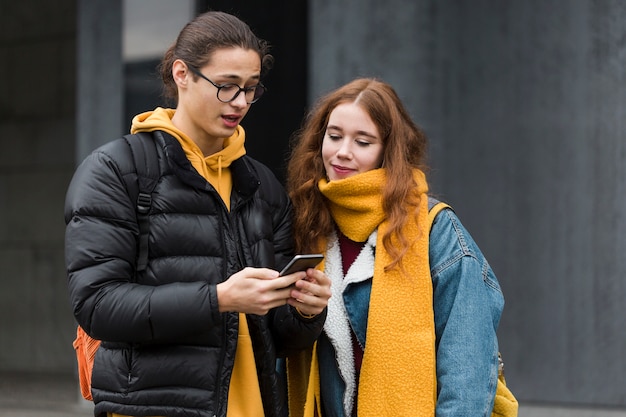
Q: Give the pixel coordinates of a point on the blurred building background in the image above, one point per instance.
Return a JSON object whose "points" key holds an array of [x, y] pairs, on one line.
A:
{"points": [[524, 104]]}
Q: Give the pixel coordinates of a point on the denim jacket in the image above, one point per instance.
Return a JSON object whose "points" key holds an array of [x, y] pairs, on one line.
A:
{"points": [[468, 303]]}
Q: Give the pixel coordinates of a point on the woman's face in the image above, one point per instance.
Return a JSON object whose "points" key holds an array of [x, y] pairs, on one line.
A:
{"points": [[199, 111], [352, 143]]}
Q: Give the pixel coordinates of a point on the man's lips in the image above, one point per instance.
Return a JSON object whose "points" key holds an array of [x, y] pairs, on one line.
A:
{"points": [[231, 120]]}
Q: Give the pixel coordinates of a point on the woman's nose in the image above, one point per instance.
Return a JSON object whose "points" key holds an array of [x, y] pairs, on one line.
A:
{"points": [[344, 150]]}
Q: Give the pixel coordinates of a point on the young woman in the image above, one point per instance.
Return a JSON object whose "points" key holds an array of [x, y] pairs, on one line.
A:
{"points": [[198, 332], [411, 324]]}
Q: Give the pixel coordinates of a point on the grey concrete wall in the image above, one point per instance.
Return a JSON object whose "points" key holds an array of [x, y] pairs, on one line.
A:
{"points": [[524, 103], [533, 127], [58, 100], [37, 103]]}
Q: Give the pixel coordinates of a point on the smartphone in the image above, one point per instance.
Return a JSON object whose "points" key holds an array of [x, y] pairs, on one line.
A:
{"points": [[302, 263]]}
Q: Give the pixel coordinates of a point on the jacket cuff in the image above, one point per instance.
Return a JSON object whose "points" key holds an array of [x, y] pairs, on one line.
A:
{"points": [[214, 304], [309, 317], [306, 316]]}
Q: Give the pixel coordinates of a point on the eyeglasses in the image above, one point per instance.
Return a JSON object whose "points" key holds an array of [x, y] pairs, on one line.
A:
{"points": [[230, 91]]}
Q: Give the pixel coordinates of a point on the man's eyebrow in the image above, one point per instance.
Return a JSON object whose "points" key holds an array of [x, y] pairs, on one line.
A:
{"points": [[235, 77]]}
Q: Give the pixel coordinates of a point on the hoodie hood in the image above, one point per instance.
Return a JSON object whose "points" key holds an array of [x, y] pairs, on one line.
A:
{"points": [[214, 168]]}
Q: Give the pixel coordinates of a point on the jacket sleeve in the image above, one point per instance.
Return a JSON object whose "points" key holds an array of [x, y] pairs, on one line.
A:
{"points": [[100, 255], [293, 332], [290, 330], [468, 303]]}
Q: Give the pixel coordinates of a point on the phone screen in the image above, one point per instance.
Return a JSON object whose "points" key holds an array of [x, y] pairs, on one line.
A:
{"points": [[302, 263]]}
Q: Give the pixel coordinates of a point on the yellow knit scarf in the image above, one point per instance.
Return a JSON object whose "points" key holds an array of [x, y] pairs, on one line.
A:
{"points": [[398, 375]]}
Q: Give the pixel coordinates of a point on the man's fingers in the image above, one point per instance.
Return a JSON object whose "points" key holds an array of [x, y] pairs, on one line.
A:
{"points": [[287, 280]]}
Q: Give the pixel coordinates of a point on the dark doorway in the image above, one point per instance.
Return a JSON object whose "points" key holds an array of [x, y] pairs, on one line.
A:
{"points": [[270, 122]]}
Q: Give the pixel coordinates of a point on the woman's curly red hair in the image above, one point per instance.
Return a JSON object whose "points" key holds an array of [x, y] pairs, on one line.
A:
{"points": [[404, 150]]}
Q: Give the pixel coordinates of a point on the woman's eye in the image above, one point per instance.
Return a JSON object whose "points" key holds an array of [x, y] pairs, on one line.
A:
{"points": [[332, 136], [363, 143]]}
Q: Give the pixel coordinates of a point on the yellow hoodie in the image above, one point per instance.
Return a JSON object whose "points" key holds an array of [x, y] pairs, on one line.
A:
{"points": [[244, 396], [214, 168]]}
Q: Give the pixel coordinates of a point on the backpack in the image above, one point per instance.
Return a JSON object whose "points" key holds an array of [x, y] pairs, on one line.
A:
{"points": [[505, 404], [145, 157]]}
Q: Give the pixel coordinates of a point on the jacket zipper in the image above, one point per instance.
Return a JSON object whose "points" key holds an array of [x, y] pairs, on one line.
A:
{"points": [[234, 232]]}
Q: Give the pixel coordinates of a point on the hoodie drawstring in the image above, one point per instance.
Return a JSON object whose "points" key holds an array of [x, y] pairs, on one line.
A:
{"points": [[219, 172]]}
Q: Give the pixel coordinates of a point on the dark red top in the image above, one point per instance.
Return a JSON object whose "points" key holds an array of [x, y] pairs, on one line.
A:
{"points": [[349, 252]]}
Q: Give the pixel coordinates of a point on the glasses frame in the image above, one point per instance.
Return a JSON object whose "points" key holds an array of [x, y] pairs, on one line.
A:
{"points": [[221, 86]]}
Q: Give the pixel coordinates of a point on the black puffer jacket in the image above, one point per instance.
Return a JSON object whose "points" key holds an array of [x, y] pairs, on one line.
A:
{"points": [[166, 350]]}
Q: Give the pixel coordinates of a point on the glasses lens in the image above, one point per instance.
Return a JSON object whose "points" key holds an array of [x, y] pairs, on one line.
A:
{"points": [[255, 94], [227, 92]]}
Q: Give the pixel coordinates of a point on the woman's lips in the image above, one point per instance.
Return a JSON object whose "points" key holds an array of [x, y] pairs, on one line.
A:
{"points": [[342, 170]]}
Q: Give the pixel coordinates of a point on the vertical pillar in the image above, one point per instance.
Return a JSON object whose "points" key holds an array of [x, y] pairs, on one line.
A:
{"points": [[99, 101], [100, 87]]}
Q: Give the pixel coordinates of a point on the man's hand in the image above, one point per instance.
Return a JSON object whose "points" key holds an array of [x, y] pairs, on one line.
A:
{"points": [[256, 290]]}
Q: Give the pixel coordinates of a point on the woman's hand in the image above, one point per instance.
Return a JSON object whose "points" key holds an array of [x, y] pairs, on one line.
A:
{"points": [[310, 295]]}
